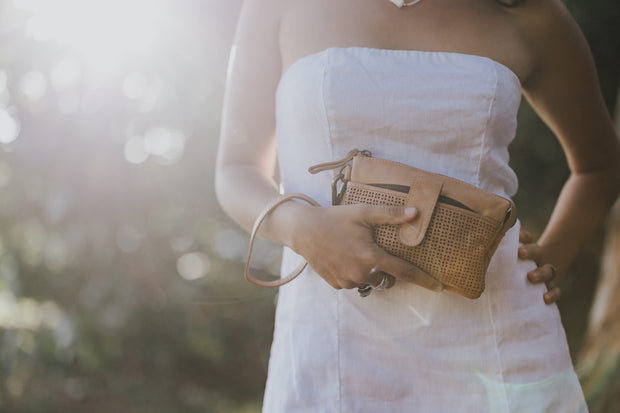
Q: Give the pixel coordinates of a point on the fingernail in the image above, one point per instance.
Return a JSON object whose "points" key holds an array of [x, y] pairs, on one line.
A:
{"points": [[410, 211]]}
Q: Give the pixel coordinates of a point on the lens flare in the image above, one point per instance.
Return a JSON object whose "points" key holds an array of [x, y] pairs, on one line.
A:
{"points": [[104, 32]]}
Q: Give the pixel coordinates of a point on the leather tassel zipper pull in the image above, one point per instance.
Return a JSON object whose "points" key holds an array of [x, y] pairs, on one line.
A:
{"points": [[340, 163]]}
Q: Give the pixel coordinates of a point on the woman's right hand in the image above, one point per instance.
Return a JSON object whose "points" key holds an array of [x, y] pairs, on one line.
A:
{"points": [[338, 243]]}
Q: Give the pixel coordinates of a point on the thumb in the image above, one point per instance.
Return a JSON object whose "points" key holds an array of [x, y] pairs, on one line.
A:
{"points": [[388, 214]]}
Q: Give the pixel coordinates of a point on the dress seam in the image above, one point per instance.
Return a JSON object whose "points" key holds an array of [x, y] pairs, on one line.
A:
{"points": [[325, 110], [497, 355], [331, 150], [485, 131], [490, 310]]}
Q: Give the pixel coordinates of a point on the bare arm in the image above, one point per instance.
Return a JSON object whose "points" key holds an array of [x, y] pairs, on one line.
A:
{"points": [[336, 241], [246, 155], [563, 89]]}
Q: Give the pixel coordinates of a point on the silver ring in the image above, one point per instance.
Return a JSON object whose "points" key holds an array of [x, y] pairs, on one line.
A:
{"points": [[364, 291], [383, 284]]}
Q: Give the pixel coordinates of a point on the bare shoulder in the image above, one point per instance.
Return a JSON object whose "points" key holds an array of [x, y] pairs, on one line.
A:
{"points": [[552, 38], [563, 85]]}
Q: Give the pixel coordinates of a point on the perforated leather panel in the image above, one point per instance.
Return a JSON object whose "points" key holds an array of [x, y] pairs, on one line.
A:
{"points": [[454, 249]]}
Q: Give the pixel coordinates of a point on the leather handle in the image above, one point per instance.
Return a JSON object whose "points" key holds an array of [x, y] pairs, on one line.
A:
{"points": [[259, 220]]}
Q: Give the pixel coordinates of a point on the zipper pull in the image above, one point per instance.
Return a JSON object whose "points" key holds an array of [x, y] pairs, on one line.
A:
{"points": [[337, 164]]}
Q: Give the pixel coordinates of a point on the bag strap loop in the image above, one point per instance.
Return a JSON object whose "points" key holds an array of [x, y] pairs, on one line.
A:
{"points": [[315, 169], [268, 210]]}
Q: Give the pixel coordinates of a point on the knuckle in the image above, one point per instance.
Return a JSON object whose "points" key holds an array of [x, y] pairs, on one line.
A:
{"points": [[392, 210], [335, 285], [367, 256], [361, 276], [363, 210]]}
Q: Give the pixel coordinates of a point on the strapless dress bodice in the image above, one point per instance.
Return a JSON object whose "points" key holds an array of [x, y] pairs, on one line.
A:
{"points": [[444, 112]]}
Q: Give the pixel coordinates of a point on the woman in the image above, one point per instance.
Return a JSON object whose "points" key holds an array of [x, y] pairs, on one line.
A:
{"points": [[436, 85]]}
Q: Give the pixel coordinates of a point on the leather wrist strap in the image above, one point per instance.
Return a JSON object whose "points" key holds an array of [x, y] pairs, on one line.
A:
{"points": [[268, 210]]}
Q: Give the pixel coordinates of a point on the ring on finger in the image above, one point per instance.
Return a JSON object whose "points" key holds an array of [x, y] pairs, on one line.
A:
{"points": [[365, 290], [384, 282], [554, 272]]}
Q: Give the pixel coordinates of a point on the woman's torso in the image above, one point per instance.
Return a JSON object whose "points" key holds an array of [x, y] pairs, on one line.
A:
{"points": [[408, 348]]}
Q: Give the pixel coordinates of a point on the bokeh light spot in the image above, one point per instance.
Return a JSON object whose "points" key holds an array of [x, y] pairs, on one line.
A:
{"points": [[193, 265], [9, 127], [33, 85], [166, 144], [135, 150], [229, 244], [102, 31], [134, 85], [128, 238], [65, 73], [51, 314]]}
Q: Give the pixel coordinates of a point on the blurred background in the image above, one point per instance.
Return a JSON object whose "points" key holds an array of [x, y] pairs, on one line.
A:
{"points": [[121, 284]]}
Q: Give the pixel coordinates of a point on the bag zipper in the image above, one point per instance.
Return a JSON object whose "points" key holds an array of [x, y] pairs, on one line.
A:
{"points": [[405, 190]]}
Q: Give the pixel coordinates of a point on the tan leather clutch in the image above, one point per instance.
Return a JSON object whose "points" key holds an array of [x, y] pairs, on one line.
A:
{"points": [[458, 227]]}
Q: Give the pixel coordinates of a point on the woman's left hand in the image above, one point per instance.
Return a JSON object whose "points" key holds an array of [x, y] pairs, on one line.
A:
{"points": [[545, 272]]}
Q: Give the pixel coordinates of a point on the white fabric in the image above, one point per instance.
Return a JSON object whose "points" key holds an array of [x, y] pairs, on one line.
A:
{"points": [[408, 349]]}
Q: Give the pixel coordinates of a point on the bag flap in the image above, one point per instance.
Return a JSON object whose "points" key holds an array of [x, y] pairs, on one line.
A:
{"points": [[423, 194], [376, 170]]}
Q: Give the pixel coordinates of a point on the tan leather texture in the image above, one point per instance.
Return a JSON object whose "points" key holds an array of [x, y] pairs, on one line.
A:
{"points": [[370, 170], [453, 238], [458, 227]]}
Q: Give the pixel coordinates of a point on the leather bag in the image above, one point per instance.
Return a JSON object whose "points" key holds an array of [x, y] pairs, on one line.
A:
{"points": [[454, 236]]}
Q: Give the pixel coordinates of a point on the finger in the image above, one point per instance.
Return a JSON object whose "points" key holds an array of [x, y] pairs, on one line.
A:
{"points": [[530, 252], [525, 237], [552, 296], [547, 273], [387, 214], [405, 271]]}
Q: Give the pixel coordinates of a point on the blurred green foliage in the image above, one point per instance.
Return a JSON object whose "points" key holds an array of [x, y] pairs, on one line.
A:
{"points": [[120, 286]]}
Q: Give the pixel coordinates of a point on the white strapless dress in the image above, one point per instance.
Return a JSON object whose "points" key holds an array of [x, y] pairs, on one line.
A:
{"points": [[408, 349]]}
